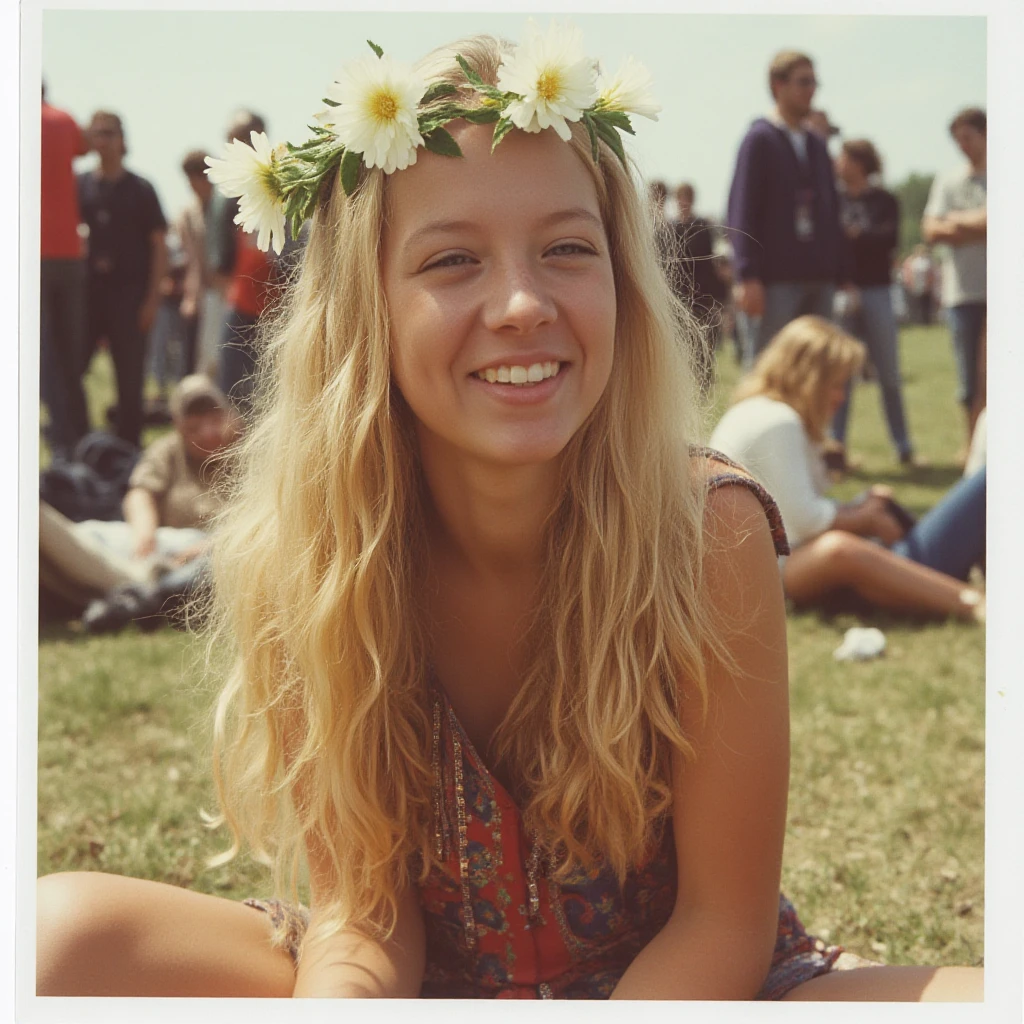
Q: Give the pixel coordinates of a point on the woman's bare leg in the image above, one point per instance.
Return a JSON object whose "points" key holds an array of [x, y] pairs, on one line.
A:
{"points": [[896, 985], [105, 935], [838, 559]]}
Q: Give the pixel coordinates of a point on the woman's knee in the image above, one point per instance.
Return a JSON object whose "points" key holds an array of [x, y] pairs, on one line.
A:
{"points": [[77, 919], [840, 551]]}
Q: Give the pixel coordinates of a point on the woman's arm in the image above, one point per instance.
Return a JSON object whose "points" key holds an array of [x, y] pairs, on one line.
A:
{"points": [[779, 458], [347, 964], [729, 804], [141, 514]]}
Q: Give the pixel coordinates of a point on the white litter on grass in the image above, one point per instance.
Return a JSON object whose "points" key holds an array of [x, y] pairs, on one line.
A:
{"points": [[860, 644]]}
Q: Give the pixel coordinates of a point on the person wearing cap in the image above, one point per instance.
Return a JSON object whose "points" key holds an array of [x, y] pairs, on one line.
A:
{"points": [[173, 484], [172, 495]]}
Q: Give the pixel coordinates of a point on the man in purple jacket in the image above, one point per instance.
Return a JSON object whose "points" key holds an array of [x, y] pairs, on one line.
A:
{"points": [[784, 213]]}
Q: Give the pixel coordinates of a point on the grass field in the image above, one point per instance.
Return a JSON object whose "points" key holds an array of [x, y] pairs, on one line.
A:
{"points": [[884, 850]]}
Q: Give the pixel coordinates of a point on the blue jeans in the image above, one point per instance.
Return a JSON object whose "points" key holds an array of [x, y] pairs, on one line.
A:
{"points": [[783, 301], [966, 323], [951, 537], [874, 323]]}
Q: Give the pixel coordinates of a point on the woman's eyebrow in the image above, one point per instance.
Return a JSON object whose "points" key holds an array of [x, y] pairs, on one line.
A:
{"points": [[448, 227], [572, 213], [439, 227]]}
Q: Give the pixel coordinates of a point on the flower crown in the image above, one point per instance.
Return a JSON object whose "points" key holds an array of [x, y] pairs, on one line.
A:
{"points": [[379, 112]]}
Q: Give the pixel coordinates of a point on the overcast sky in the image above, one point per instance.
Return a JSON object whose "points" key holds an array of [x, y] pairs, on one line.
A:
{"points": [[176, 77]]}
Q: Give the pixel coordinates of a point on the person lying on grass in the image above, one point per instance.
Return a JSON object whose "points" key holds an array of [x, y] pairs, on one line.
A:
{"points": [[775, 427], [510, 670]]}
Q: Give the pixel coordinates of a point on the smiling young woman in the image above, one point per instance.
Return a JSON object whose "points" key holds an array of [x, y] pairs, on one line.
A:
{"points": [[509, 656]]}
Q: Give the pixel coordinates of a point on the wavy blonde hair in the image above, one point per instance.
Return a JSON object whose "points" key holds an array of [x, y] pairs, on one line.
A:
{"points": [[799, 364], [322, 730]]}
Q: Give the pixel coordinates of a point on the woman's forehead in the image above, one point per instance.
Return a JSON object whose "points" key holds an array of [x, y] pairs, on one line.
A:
{"points": [[533, 175]]}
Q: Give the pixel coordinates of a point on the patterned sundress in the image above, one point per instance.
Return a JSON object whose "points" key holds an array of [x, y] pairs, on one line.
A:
{"points": [[498, 927]]}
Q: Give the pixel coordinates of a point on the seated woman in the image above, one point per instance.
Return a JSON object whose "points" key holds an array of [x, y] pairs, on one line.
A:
{"points": [[127, 569], [508, 659], [775, 428]]}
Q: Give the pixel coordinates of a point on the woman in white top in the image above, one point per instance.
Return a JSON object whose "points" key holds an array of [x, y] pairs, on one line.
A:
{"points": [[775, 427]]}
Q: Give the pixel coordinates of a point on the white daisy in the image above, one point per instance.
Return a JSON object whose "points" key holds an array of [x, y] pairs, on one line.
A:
{"points": [[629, 91], [554, 77], [376, 114], [247, 172]]}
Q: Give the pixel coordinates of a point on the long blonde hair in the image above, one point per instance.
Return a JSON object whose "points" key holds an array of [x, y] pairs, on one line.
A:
{"points": [[798, 366], [322, 730]]}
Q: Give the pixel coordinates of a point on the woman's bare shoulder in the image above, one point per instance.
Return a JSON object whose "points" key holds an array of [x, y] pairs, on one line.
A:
{"points": [[734, 496]]}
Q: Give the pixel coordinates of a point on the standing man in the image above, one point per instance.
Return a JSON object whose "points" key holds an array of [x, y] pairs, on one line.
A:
{"points": [[127, 261], [784, 212], [956, 216], [61, 283]]}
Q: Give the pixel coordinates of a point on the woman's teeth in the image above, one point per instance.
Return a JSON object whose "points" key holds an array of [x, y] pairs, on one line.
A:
{"points": [[518, 374]]}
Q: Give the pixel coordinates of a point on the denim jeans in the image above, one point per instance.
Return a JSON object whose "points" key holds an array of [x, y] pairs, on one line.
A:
{"points": [[783, 301], [62, 351], [874, 323], [966, 323], [951, 537]]}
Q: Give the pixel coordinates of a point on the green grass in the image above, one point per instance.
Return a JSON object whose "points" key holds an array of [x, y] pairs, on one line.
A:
{"points": [[884, 849]]}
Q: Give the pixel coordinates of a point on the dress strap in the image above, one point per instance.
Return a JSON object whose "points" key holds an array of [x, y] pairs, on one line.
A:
{"points": [[736, 474]]}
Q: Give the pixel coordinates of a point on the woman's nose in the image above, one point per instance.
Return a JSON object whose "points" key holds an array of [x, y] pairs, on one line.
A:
{"points": [[519, 299]]}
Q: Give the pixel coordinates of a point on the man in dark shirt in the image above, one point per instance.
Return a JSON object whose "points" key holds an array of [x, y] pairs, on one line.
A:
{"points": [[784, 212], [127, 259], [870, 216]]}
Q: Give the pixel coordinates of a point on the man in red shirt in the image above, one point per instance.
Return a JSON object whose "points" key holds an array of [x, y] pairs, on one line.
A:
{"points": [[61, 283]]}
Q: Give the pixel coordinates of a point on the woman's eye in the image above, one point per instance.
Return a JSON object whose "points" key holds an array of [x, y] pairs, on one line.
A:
{"points": [[571, 249], [453, 259]]}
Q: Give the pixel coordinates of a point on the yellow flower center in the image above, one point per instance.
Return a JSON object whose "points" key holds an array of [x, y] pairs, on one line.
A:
{"points": [[549, 84], [384, 106], [269, 181]]}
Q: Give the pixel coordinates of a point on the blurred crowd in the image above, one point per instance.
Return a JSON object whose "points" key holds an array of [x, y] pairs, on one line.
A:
{"points": [[804, 277]]}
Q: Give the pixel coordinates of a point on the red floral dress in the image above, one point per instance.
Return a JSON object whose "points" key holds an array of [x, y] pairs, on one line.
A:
{"points": [[497, 926]]}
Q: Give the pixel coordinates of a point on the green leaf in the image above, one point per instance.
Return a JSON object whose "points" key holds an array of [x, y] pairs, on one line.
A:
{"points": [[376, 49], [501, 129], [437, 90], [595, 148], [440, 115], [612, 138], [482, 115], [330, 103], [617, 118], [441, 142], [472, 77], [350, 164]]}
